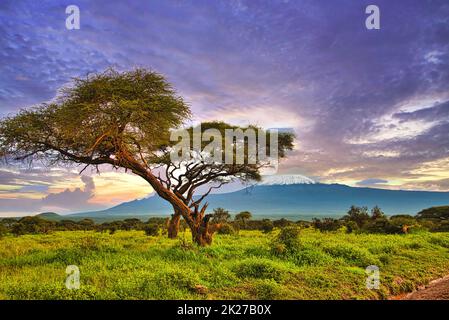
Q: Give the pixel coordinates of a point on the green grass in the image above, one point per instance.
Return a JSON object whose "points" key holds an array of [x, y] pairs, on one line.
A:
{"points": [[130, 265]]}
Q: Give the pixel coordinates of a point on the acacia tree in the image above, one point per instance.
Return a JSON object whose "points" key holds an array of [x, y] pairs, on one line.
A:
{"points": [[220, 215], [243, 217], [126, 120]]}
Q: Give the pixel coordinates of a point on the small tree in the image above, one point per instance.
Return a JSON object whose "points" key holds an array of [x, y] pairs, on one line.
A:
{"points": [[359, 215], [132, 224], [126, 120], [377, 213], [151, 229], [243, 217], [220, 215], [267, 225], [86, 224], [326, 224], [282, 223]]}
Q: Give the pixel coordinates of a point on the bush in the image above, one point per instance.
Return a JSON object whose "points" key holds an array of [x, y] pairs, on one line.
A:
{"points": [[113, 229], [3, 230], [351, 227], [380, 225], [266, 225], [168, 284], [132, 224], [220, 215], [359, 215], [19, 229], [282, 223], [226, 229], [266, 289], [258, 269], [311, 257], [326, 224], [151, 230], [287, 242], [443, 226], [243, 217], [352, 255], [434, 214]]}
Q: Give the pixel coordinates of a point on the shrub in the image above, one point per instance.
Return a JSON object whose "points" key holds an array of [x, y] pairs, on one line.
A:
{"points": [[132, 224], [351, 227], [175, 278], [434, 213], [358, 214], [326, 224], [67, 225], [266, 289], [3, 230], [441, 227], [377, 213], [440, 242], [19, 229], [352, 255], [258, 269], [151, 230], [112, 230], [282, 223], [226, 229], [278, 249], [380, 225], [266, 225], [287, 241], [402, 223], [311, 257], [243, 217], [220, 215], [168, 284], [86, 224], [33, 225]]}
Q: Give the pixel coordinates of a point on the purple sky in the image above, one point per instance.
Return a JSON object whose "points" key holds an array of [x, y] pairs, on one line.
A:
{"points": [[370, 107]]}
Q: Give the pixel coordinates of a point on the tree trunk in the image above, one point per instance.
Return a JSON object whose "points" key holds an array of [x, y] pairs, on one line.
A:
{"points": [[198, 223], [201, 233], [173, 225]]}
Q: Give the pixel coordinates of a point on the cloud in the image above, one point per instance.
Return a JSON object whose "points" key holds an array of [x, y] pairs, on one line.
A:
{"points": [[363, 104], [71, 199], [439, 185], [372, 181], [23, 196], [30, 191]]}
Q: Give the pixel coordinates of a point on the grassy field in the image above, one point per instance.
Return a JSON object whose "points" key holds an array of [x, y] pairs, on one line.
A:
{"points": [[130, 265]]}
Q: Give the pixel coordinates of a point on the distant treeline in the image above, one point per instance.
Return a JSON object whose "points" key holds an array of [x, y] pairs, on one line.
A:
{"points": [[357, 220], [360, 219]]}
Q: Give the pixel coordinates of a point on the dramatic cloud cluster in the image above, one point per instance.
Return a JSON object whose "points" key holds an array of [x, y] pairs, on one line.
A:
{"points": [[30, 191], [71, 199], [364, 104]]}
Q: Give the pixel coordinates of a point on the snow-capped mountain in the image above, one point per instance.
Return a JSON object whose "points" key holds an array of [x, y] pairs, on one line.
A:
{"points": [[284, 179], [292, 195]]}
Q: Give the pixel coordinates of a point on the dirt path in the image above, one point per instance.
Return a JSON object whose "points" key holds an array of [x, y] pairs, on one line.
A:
{"points": [[435, 290]]}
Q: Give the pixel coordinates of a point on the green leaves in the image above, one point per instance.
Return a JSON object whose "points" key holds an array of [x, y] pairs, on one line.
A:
{"points": [[98, 117]]}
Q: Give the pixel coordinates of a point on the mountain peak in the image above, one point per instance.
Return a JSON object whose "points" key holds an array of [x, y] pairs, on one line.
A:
{"points": [[284, 179]]}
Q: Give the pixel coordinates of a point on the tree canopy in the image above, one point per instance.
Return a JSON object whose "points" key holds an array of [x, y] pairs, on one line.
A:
{"points": [[102, 118]]}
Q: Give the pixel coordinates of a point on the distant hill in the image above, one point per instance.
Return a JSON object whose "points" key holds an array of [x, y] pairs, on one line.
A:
{"points": [[292, 197], [50, 216]]}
